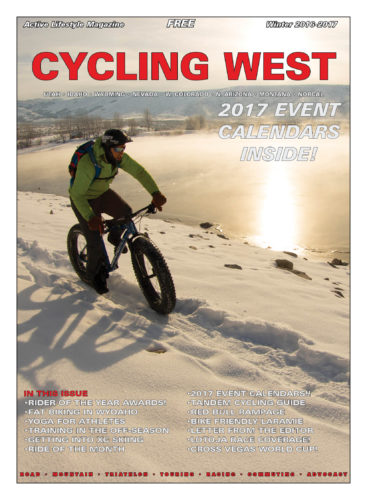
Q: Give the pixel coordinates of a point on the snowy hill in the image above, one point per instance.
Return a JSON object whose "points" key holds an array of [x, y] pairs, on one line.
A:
{"points": [[174, 105], [253, 326]]}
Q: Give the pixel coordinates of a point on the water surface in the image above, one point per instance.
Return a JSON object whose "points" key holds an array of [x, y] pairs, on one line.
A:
{"points": [[283, 205]]}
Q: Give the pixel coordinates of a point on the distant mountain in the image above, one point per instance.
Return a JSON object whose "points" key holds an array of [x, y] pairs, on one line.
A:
{"points": [[176, 104]]}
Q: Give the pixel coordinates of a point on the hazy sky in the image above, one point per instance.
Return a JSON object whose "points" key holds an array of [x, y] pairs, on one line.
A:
{"points": [[213, 36]]}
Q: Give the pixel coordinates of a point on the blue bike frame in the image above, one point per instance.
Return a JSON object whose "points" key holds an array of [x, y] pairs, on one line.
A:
{"points": [[129, 230]]}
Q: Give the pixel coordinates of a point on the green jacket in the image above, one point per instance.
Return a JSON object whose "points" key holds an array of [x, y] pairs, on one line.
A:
{"points": [[84, 188]]}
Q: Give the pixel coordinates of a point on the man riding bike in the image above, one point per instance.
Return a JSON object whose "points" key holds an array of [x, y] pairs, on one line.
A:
{"points": [[91, 196]]}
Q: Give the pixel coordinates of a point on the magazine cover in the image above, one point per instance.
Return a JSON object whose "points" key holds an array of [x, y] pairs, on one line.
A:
{"points": [[183, 261]]}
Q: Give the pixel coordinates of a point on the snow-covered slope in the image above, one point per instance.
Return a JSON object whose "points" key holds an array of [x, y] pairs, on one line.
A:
{"points": [[129, 104], [254, 327]]}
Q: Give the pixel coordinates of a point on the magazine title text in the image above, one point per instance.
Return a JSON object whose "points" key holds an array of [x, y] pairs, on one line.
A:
{"points": [[192, 66]]}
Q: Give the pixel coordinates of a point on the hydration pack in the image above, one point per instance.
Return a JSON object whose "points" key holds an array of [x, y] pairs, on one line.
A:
{"points": [[87, 147]]}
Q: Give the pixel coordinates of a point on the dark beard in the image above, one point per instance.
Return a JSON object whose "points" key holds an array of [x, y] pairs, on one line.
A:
{"points": [[109, 156]]}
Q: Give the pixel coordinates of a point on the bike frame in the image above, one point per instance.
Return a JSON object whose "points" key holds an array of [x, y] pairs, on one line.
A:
{"points": [[129, 231]]}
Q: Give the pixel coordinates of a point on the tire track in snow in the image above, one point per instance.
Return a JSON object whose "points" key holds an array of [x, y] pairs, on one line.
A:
{"points": [[239, 350]]}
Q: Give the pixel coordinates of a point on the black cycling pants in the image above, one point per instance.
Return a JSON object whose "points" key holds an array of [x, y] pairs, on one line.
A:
{"points": [[109, 203]]}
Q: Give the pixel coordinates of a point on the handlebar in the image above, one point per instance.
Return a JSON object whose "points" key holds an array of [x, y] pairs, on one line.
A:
{"points": [[149, 209]]}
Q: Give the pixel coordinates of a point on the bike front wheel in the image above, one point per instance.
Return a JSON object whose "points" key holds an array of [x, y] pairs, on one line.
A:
{"points": [[77, 250], [153, 275]]}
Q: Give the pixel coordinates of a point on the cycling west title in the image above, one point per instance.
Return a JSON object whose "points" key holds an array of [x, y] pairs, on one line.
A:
{"points": [[268, 66]]}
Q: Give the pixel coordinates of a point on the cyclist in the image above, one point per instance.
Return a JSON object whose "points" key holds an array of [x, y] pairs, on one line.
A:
{"points": [[90, 197]]}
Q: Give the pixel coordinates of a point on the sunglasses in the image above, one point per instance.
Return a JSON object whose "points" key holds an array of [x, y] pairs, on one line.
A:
{"points": [[120, 149]]}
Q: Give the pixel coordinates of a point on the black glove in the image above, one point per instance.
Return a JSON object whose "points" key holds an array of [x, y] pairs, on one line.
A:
{"points": [[158, 200]]}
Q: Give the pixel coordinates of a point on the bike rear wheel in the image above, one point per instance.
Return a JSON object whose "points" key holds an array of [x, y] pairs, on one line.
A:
{"points": [[77, 250], [153, 275]]}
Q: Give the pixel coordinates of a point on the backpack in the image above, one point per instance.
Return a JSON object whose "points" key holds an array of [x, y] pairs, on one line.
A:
{"points": [[87, 147]]}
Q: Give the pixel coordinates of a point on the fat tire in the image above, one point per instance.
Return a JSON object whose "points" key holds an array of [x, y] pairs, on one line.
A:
{"points": [[78, 264], [162, 301]]}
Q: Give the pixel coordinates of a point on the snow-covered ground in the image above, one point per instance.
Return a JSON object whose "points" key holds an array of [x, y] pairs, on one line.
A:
{"points": [[253, 328]]}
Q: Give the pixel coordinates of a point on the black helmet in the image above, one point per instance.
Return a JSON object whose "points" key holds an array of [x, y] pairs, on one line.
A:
{"points": [[114, 137]]}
